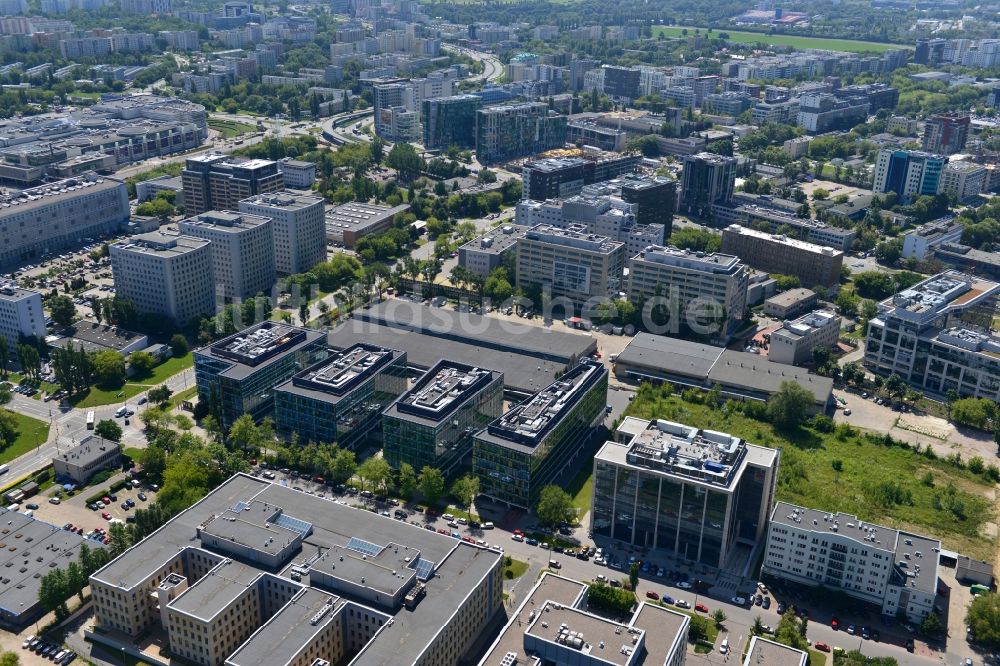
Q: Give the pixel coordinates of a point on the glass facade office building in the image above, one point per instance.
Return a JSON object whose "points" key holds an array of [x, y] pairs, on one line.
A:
{"points": [[341, 398], [433, 423], [699, 495], [529, 446], [237, 375]]}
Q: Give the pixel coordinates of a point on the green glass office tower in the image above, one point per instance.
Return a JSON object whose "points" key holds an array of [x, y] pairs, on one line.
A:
{"points": [[528, 447]]}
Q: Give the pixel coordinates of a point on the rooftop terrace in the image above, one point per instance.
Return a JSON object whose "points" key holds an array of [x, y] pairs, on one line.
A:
{"points": [[254, 346]]}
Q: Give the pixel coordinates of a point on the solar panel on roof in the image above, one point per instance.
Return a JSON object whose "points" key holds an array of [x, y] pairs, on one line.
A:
{"points": [[364, 547]]}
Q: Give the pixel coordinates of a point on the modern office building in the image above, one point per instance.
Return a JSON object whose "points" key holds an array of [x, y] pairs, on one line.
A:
{"points": [[299, 228], [233, 581], [705, 292], [946, 133], [517, 130], [655, 196], [895, 570], [532, 444], [707, 179], [21, 316], [703, 495], [237, 375], [450, 121], [41, 548], [571, 264], [297, 174], [433, 423], [920, 243], [489, 251], [165, 273], [908, 173], [554, 626], [621, 83], [937, 336], [824, 112], [559, 177], [341, 398], [964, 180], [795, 341], [93, 454], [50, 217], [812, 264], [242, 248], [220, 182], [348, 223]]}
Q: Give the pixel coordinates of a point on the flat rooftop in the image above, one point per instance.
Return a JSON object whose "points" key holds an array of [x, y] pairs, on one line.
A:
{"points": [[786, 241], [30, 548], [706, 262], [458, 567], [359, 216], [792, 297], [682, 450], [449, 326], [224, 221], [661, 624], [807, 323], [441, 391], [574, 236], [258, 345], [496, 241], [13, 293], [282, 637], [94, 335], [938, 293], [161, 244], [283, 200], [90, 449], [764, 652], [590, 635], [919, 571], [525, 426], [336, 376], [211, 593]]}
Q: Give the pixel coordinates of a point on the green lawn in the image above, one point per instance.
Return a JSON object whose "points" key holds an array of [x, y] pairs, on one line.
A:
{"points": [[893, 486], [795, 41], [30, 434], [712, 631], [230, 128], [515, 569], [165, 370], [581, 488], [95, 397], [177, 398]]}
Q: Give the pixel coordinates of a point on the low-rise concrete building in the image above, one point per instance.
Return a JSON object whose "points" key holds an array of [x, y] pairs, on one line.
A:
{"points": [[790, 303], [794, 342], [90, 456]]}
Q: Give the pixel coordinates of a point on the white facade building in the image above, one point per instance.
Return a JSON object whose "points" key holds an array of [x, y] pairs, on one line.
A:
{"points": [[21, 315], [793, 343], [242, 251], [299, 229]]}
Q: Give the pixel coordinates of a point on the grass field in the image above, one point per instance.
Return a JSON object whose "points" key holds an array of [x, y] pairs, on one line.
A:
{"points": [[230, 128], [95, 397], [165, 370], [795, 41], [846, 471], [515, 569], [581, 488], [30, 434]]}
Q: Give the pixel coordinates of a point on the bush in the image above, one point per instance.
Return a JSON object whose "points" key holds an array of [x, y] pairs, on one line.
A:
{"points": [[610, 599]]}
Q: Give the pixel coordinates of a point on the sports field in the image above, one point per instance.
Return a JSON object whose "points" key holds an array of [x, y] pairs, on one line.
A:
{"points": [[795, 41]]}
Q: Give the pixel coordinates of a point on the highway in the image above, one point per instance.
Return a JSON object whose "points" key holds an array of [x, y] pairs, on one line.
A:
{"points": [[492, 67]]}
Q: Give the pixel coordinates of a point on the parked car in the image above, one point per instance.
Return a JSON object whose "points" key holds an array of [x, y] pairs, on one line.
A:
{"points": [[652, 595], [681, 603], [822, 647], [701, 608]]}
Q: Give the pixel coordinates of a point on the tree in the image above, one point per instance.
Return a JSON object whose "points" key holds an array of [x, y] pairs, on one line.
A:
{"points": [[404, 158], [464, 490], [342, 465], [109, 368], [633, 576], [931, 626], [246, 435], [758, 626], [554, 506], [407, 480], [376, 471], [8, 428], [719, 616], [159, 394], [62, 309], [983, 620], [142, 363], [108, 429], [154, 462], [787, 408], [53, 592], [431, 484], [155, 208], [120, 541], [179, 345], [4, 355]]}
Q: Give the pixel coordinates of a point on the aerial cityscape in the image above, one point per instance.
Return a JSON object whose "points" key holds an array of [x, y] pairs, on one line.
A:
{"points": [[499, 333]]}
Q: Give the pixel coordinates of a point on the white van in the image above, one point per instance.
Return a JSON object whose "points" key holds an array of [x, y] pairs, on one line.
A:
{"points": [[4, 469], [487, 526], [121, 412], [724, 646]]}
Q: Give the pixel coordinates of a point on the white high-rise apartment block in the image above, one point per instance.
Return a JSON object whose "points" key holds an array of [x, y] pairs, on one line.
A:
{"points": [[299, 229], [242, 251], [895, 570], [21, 315], [167, 274]]}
